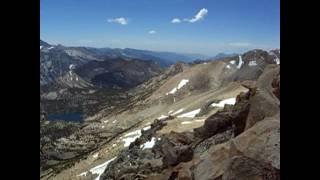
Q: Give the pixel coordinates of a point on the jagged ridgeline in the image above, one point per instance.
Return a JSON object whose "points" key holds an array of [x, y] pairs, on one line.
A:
{"points": [[212, 119]]}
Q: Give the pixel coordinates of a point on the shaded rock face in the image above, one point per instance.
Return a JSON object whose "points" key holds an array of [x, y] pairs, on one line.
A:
{"points": [[276, 86], [118, 73], [228, 118], [265, 103], [243, 168], [252, 71], [175, 149]]}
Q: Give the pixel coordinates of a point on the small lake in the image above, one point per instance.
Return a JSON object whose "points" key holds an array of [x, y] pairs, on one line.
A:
{"points": [[73, 116]]}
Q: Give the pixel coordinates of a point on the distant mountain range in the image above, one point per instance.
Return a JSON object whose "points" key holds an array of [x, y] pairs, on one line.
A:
{"points": [[164, 59]]}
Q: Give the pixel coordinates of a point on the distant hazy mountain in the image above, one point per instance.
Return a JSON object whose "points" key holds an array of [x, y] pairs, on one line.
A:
{"points": [[223, 55], [105, 67], [164, 59]]}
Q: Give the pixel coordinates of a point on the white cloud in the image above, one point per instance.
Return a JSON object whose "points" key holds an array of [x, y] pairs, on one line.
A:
{"points": [[176, 20], [240, 44], [199, 16], [152, 32], [120, 20]]}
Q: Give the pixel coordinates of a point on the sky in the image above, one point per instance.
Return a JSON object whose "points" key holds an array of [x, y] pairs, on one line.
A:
{"points": [[187, 26]]}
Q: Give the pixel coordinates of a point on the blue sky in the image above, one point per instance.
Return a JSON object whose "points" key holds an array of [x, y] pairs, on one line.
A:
{"points": [[203, 26]]}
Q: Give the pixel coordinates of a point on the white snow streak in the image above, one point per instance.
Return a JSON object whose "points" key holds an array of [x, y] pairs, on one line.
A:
{"points": [[190, 114], [98, 169], [101, 168], [231, 101], [146, 128], [186, 122], [162, 117], [128, 140], [240, 62], [178, 111], [182, 83]]}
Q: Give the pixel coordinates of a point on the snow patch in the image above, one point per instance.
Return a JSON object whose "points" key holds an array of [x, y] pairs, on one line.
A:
{"points": [[170, 112], [50, 47], [102, 126], [101, 168], [114, 145], [41, 47], [232, 62], [114, 121], [162, 117], [72, 66], [252, 63], [240, 62], [186, 122], [190, 114], [133, 133], [200, 120], [148, 144], [230, 101], [128, 140], [228, 66], [95, 155], [105, 121], [182, 83], [277, 60], [146, 128], [174, 90]]}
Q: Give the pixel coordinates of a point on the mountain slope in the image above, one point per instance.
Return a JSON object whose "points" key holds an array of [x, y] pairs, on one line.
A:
{"points": [[196, 111]]}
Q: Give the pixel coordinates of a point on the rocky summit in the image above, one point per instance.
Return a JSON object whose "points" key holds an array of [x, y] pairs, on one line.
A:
{"points": [[213, 119]]}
